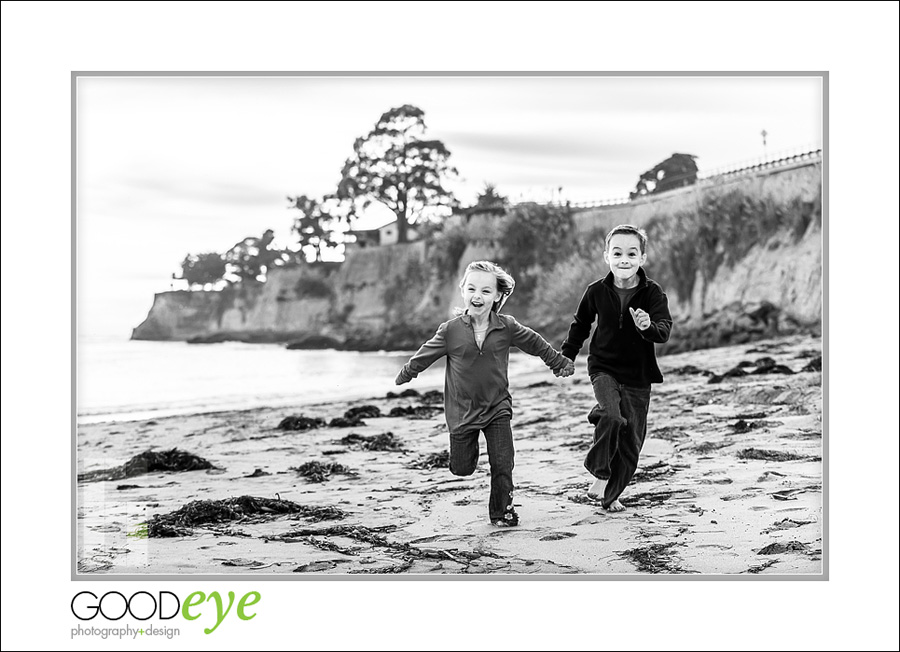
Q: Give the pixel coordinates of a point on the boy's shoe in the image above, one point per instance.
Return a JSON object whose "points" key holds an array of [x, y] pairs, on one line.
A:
{"points": [[510, 519]]}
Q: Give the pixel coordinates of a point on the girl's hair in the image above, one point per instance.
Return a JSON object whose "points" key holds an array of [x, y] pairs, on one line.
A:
{"points": [[629, 229], [505, 283]]}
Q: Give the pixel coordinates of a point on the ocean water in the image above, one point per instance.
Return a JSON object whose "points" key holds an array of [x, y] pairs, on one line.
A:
{"points": [[122, 380]]}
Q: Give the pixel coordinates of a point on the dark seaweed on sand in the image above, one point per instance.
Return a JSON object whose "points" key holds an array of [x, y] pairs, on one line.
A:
{"points": [[761, 366], [363, 412], [691, 370], [744, 426], [813, 365], [415, 412], [652, 472], [386, 441], [655, 558], [768, 456], [300, 422], [315, 471], [346, 422], [433, 461], [434, 396], [213, 512], [779, 547], [149, 462], [406, 393]]}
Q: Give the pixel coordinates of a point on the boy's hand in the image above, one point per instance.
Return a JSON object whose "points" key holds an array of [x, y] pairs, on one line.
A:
{"points": [[641, 318], [402, 377], [566, 371]]}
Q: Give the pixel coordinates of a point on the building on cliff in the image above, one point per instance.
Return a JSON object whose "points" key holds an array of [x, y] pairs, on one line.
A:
{"points": [[383, 235]]}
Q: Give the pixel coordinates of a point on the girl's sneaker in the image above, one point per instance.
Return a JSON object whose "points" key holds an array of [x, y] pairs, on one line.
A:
{"points": [[510, 519]]}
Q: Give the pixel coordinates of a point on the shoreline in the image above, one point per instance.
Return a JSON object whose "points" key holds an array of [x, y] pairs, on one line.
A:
{"points": [[730, 472]]}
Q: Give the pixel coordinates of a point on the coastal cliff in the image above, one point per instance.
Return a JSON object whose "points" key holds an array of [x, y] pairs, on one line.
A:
{"points": [[739, 258]]}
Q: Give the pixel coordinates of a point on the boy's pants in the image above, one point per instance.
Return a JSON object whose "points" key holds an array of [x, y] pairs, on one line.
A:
{"points": [[464, 459], [620, 419]]}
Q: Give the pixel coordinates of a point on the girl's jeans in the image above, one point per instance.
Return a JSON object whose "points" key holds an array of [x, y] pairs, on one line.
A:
{"points": [[620, 425], [501, 454]]}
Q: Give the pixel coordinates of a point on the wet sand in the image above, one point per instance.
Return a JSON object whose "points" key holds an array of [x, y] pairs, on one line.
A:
{"points": [[730, 483]]}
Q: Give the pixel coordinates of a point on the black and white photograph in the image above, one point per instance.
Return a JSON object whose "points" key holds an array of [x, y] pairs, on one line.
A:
{"points": [[449, 324], [418, 326]]}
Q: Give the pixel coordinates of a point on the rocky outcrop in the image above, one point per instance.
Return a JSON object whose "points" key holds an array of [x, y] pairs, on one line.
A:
{"points": [[740, 288]]}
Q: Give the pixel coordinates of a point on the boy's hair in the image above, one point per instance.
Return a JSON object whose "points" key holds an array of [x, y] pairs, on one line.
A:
{"points": [[629, 230], [505, 283]]}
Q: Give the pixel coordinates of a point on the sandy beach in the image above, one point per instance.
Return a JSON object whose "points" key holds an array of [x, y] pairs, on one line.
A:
{"points": [[730, 483]]}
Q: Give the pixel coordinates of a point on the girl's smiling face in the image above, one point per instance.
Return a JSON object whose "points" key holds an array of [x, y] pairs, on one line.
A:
{"points": [[479, 292]]}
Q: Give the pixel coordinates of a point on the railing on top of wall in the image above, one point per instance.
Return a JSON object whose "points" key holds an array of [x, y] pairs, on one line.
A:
{"points": [[775, 161]]}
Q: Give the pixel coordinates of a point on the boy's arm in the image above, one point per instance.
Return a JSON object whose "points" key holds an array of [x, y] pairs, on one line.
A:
{"points": [[580, 328], [427, 354], [660, 319], [532, 343]]}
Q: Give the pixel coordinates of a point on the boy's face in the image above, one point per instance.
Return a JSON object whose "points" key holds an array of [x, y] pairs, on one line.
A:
{"points": [[480, 292], [624, 256]]}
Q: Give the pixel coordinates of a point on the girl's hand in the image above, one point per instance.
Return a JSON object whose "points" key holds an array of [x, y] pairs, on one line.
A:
{"points": [[641, 318], [402, 378], [566, 371]]}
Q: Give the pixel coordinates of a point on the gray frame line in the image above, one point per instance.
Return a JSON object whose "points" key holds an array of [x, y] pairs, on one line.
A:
{"points": [[824, 576]]}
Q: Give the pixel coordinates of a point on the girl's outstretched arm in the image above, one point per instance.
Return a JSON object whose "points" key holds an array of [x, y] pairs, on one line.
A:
{"points": [[532, 343], [427, 355]]}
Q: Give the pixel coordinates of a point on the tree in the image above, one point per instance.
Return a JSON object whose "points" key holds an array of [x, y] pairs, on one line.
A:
{"points": [[490, 198], [202, 269], [676, 171], [395, 166], [315, 226], [252, 258]]}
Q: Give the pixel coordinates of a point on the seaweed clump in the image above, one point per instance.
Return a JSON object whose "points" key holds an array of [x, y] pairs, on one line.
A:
{"points": [[315, 471], [150, 461], [199, 513]]}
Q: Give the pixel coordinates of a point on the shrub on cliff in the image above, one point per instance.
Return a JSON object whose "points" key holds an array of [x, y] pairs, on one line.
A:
{"points": [[721, 231], [559, 290], [533, 237], [447, 247], [312, 287]]}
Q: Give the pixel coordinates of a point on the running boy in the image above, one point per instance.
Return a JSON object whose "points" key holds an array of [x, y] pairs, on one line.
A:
{"points": [[632, 313], [476, 387]]}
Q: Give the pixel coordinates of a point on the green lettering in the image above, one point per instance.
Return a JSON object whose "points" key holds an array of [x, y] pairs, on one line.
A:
{"points": [[245, 603], [190, 602], [219, 615]]}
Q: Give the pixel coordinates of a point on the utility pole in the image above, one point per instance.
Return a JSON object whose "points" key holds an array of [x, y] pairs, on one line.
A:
{"points": [[764, 133]]}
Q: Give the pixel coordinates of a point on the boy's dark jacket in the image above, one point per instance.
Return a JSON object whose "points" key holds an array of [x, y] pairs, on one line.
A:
{"points": [[618, 348]]}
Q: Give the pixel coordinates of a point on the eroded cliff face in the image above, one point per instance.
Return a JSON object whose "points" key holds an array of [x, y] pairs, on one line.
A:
{"points": [[392, 297]]}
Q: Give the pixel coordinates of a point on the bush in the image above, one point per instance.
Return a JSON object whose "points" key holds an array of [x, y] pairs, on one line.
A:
{"points": [[313, 287], [559, 290], [404, 289], [532, 238], [447, 249], [721, 231]]}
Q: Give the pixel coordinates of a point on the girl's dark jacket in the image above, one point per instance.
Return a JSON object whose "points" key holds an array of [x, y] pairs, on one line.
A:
{"points": [[617, 347]]}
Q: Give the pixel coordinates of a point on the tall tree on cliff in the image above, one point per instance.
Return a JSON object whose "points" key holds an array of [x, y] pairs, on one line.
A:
{"points": [[395, 166], [315, 226], [676, 171]]}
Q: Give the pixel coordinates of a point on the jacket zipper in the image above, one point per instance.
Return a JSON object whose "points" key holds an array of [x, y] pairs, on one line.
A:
{"points": [[622, 308], [475, 339]]}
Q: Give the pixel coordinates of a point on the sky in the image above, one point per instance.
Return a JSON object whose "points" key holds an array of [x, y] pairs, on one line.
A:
{"points": [[169, 165]]}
